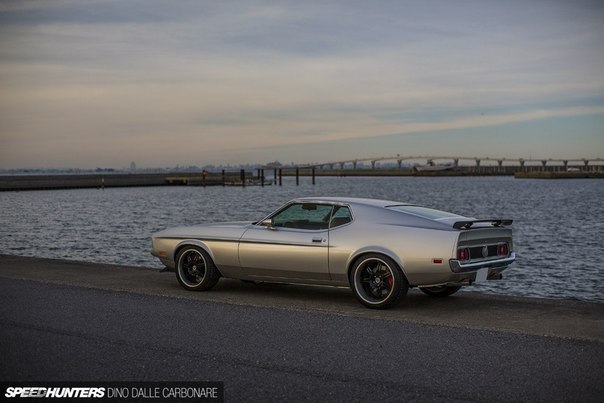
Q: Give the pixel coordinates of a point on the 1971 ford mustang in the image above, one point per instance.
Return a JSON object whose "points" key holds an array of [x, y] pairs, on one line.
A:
{"points": [[377, 248]]}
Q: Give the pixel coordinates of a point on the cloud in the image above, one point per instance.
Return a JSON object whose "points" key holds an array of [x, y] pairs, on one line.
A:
{"points": [[221, 76]]}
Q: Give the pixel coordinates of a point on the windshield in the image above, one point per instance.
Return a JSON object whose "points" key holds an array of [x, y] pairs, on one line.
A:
{"points": [[424, 212]]}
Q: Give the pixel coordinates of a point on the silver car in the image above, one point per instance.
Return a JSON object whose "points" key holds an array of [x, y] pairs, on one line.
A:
{"points": [[377, 248]]}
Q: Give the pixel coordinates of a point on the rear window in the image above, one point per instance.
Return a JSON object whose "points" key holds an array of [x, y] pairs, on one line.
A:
{"points": [[424, 212]]}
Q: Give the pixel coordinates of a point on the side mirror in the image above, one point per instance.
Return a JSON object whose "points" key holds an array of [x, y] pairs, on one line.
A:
{"points": [[268, 223]]}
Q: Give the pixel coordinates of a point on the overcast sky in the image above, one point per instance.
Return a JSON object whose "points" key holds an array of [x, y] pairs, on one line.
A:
{"points": [[103, 83]]}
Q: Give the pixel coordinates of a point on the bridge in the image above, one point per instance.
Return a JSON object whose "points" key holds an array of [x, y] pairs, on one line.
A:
{"points": [[454, 161]]}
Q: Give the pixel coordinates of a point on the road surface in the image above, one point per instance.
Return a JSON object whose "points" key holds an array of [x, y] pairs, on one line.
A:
{"points": [[74, 321]]}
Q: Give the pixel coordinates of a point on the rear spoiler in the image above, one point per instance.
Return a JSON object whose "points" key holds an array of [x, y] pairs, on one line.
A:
{"points": [[468, 224]]}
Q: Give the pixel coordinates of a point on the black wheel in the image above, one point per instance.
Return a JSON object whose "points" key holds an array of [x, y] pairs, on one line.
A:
{"points": [[195, 269], [440, 290], [378, 282]]}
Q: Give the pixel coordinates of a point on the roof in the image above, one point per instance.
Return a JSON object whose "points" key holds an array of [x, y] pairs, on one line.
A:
{"points": [[353, 200]]}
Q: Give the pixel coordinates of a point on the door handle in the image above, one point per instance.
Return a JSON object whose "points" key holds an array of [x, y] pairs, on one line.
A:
{"points": [[318, 240]]}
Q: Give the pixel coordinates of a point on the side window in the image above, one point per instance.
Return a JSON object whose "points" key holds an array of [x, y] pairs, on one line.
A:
{"points": [[340, 216], [304, 216]]}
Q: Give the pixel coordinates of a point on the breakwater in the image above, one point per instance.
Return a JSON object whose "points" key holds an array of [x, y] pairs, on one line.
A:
{"points": [[559, 175], [42, 182], [112, 180]]}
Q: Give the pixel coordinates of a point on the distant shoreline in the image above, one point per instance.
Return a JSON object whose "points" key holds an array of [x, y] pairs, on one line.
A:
{"points": [[111, 180]]}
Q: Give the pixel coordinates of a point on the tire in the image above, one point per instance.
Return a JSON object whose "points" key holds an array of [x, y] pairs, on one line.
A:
{"points": [[378, 282], [440, 290], [195, 269]]}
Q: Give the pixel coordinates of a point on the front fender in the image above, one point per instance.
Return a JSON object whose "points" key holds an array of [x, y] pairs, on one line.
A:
{"points": [[193, 242]]}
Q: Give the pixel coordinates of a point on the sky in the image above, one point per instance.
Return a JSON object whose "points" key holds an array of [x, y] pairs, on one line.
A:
{"points": [[89, 84]]}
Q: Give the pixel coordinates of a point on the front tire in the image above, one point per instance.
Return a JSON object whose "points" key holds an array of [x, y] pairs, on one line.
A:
{"points": [[440, 290], [378, 282], [195, 269]]}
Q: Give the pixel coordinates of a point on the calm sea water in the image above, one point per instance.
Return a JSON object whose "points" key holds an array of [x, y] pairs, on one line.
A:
{"points": [[558, 224]]}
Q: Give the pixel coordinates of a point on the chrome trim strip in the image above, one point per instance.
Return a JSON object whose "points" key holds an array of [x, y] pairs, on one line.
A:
{"points": [[310, 243], [201, 239], [458, 267]]}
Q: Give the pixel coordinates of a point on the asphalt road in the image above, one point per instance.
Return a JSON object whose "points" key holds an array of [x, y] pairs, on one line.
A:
{"points": [[56, 328]]}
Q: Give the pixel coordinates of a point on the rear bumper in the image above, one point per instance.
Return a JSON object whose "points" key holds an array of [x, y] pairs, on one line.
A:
{"points": [[458, 267]]}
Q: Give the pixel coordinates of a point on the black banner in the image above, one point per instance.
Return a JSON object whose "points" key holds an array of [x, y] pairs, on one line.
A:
{"points": [[114, 391]]}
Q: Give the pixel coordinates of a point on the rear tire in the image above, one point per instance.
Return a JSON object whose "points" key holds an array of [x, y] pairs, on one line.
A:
{"points": [[195, 269], [440, 290], [378, 282]]}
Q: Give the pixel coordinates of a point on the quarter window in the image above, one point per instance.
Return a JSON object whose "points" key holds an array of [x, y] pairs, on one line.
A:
{"points": [[341, 216]]}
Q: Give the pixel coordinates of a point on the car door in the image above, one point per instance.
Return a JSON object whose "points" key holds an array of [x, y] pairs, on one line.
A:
{"points": [[293, 245]]}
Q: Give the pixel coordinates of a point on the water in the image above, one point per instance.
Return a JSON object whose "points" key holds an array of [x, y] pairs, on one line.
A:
{"points": [[558, 224]]}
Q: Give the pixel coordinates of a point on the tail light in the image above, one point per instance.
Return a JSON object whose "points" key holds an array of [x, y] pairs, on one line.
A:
{"points": [[502, 249], [463, 254]]}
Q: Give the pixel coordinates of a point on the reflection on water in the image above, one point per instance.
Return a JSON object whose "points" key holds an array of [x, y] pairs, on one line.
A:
{"points": [[558, 224]]}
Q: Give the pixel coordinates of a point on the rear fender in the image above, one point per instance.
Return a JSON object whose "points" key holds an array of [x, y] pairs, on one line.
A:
{"points": [[375, 249]]}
